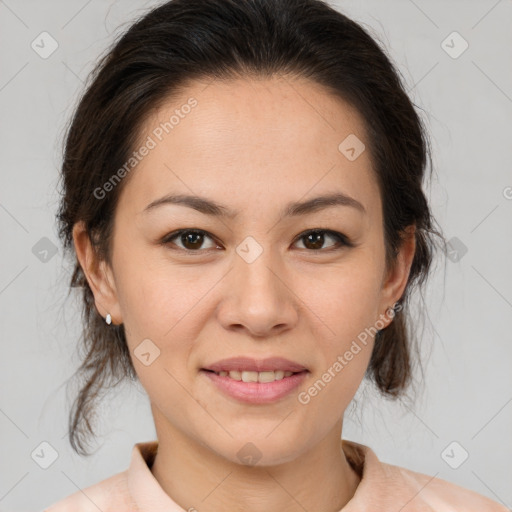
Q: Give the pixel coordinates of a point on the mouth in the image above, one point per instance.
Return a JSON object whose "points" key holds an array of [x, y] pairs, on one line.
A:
{"points": [[252, 376], [256, 388]]}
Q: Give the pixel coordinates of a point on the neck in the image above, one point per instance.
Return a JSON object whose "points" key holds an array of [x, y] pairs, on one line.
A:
{"points": [[197, 478]]}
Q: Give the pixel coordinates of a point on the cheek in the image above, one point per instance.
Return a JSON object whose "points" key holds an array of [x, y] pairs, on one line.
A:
{"points": [[347, 309], [347, 303], [153, 293], [167, 305], [161, 320], [347, 299]]}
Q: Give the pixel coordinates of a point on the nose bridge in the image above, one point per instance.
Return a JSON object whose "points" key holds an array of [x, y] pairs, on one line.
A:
{"points": [[258, 298], [255, 268]]}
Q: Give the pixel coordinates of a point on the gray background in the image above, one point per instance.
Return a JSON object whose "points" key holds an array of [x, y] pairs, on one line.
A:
{"points": [[467, 104]]}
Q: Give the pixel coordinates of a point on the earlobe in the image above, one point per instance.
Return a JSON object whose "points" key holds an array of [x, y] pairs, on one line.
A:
{"points": [[97, 273]]}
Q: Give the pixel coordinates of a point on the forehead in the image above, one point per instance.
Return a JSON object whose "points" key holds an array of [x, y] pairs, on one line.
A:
{"points": [[256, 110], [246, 140]]}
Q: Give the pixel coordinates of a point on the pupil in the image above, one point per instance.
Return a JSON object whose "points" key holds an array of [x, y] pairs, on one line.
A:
{"points": [[191, 238], [317, 244]]}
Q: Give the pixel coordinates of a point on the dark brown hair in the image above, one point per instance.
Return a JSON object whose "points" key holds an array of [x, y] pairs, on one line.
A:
{"points": [[183, 40]]}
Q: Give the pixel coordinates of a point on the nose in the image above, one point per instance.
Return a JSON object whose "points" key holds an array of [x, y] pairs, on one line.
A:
{"points": [[258, 299]]}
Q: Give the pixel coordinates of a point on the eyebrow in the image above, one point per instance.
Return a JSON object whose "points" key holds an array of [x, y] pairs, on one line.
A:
{"points": [[210, 207]]}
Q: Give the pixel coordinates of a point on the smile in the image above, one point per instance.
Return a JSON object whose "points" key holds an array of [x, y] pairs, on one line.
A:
{"points": [[247, 376], [256, 387]]}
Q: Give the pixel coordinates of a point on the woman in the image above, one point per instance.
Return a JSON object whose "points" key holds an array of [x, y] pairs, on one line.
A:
{"points": [[242, 186]]}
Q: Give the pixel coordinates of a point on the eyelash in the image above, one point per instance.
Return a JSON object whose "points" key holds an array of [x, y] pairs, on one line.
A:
{"points": [[342, 240]]}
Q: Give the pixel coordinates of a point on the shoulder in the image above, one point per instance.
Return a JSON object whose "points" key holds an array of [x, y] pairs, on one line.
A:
{"points": [[428, 493], [109, 495], [386, 487], [122, 492]]}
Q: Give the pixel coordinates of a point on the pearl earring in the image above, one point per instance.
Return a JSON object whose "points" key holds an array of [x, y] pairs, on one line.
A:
{"points": [[108, 319]]}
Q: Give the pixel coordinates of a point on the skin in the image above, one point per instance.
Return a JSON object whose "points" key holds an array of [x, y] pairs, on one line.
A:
{"points": [[253, 146]]}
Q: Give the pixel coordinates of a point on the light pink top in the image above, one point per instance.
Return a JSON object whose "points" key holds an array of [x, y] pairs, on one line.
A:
{"points": [[383, 488]]}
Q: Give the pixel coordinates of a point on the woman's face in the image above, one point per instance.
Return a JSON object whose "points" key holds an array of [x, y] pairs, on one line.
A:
{"points": [[253, 283]]}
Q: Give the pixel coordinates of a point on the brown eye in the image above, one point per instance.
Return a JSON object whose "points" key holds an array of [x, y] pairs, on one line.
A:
{"points": [[190, 239], [315, 239]]}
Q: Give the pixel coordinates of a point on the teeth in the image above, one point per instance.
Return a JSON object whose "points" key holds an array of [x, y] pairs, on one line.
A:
{"points": [[256, 376]]}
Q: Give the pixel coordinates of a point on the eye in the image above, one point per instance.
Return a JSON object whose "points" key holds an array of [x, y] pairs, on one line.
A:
{"points": [[315, 238], [192, 240]]}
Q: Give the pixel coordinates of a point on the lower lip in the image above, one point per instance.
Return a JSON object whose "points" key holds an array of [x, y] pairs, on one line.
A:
{"points": [[257, 392]]}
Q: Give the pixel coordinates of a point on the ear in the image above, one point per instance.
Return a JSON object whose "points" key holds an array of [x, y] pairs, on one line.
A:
{"points": [[395, 279], [98, 274]]}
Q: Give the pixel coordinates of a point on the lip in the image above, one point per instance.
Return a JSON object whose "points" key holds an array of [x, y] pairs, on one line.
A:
{"points": [[256, 392], [249, 364]]}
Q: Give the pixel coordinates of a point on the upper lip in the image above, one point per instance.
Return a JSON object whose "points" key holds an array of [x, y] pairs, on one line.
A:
{"points": [[255, 365]]}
